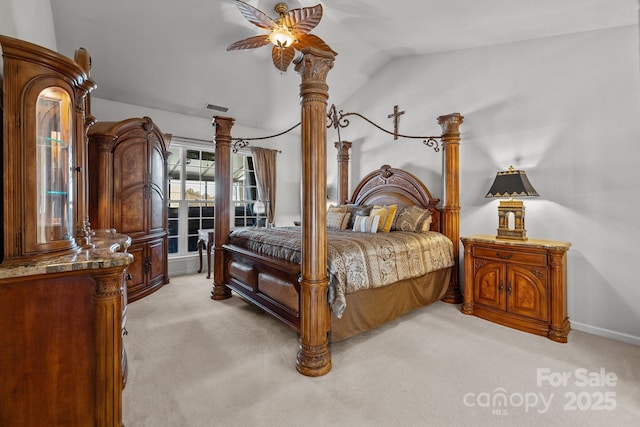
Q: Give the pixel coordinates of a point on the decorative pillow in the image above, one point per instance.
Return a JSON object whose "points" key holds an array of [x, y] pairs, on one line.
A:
{"points": [[339, 208], [382, 213], [411, 218], [366, 224], [426, 224], [362, 210], [335, 220], [385, 226], [345, 221]]}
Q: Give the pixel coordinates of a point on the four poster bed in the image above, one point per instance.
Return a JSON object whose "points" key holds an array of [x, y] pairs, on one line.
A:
{"points": [[305, 275]]}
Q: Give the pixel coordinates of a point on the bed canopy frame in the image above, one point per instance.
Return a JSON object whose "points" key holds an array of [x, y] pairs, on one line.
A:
{"points": [[313, 357]]}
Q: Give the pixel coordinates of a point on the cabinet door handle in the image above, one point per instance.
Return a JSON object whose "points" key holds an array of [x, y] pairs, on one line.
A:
{"points": [[503, 256], [509, 288], [500, 287]]}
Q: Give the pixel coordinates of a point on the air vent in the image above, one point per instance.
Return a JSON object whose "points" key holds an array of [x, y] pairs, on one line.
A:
{"points": [[216, 108]]}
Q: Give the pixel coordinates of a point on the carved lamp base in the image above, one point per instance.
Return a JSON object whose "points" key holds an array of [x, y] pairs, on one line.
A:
{"points": [[511, 220]]}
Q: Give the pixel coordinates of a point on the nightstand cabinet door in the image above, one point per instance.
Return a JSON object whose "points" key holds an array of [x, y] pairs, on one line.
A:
{"points": [[527, 291], [489, 283]]}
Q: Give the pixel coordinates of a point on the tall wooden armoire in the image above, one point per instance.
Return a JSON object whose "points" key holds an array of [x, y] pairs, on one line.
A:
{"points": [[127, 192]]}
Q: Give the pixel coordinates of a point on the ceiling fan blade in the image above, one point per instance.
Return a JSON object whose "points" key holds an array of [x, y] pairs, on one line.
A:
{"points": [[303, 20], [282, 57], [310, 40], [254, 15], [250, 43]]}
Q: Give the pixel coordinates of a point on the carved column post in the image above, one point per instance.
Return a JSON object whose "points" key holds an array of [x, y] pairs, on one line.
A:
{"points": [[222, 204], [108, 333], [467, 303], [83, 178], [314, 358], [451, 207], [343, 170], [102, 217], [84, 120], [559, 326]]}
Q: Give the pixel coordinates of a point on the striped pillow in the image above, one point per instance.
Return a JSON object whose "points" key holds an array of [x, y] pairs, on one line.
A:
{"points": [[366, 224]]}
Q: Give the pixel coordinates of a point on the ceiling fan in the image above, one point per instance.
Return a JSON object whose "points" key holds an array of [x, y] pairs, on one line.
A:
{"points": [[288, 33]]}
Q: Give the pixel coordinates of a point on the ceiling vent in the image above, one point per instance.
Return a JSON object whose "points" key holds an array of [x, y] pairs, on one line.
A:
{"points": [[216, 108]]}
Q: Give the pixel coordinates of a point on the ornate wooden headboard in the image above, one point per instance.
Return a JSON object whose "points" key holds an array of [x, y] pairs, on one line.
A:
{"points": [[390, 186]]}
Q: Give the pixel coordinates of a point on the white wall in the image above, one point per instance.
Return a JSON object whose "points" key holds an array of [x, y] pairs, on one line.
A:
{"points": [[29, 20], [565, 109]]}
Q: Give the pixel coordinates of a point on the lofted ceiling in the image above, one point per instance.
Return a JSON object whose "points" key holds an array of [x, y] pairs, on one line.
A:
{"points": [[171, 55]]}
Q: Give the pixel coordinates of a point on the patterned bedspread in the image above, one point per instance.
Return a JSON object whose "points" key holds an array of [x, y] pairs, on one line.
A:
{"points": [[356, 260]]}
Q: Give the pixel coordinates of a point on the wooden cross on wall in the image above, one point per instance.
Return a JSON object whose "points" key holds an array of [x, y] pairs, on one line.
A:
{"points": [[396, 116]]}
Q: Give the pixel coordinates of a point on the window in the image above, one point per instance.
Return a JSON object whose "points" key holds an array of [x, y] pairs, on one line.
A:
{"points": [[191, 184], [244, 191]]}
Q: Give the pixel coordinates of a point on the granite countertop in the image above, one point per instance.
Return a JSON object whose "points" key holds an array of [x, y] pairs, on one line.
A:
{"points": [[106, 249], [541, 243]]}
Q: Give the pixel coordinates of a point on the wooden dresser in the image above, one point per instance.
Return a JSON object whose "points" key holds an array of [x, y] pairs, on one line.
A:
{"points": [[127, 192], [62, 361], [520, 284]]}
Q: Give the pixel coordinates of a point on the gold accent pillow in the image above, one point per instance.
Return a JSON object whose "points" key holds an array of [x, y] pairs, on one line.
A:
{"points": [[426, 224], [382, 212], [391, 210], [345, 221], [339, 208]]}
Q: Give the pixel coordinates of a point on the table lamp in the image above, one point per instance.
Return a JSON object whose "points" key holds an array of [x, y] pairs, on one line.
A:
{"points": [[511, 183], [259, 209]]}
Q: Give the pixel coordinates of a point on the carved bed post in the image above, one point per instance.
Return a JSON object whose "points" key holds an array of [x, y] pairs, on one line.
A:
{"points": [[343, 170], [314, 358], [222, 203], [451, 207]]}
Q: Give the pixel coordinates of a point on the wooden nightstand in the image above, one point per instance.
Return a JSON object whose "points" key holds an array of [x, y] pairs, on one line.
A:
{"points": [[520, 284]]}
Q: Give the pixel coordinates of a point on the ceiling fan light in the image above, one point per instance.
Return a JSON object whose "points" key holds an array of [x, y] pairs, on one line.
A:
{"points": [[281, 37]]}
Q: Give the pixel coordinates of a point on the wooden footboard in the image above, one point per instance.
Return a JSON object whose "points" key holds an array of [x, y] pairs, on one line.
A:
{"points": [[273, 285], [268, 282]]}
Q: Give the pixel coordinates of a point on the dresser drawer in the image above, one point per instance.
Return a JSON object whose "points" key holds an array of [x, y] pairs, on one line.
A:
{"points": [[511, 255]]}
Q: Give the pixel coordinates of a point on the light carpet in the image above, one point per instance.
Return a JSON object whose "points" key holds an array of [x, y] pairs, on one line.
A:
{"points": [[195, 362]]}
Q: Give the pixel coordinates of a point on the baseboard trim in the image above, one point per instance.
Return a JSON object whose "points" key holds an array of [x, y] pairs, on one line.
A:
{"points": [[607, 333], [179, 266]]}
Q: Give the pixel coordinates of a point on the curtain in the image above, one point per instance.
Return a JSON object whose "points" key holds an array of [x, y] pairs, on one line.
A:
{"points": [[264, 161]]}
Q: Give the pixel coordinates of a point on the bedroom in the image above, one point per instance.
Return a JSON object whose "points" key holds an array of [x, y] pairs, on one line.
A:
{"points": [[563, 108]]}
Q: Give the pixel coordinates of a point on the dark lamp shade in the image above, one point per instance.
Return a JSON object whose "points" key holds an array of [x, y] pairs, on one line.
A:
{"points": [[512, 183]]}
